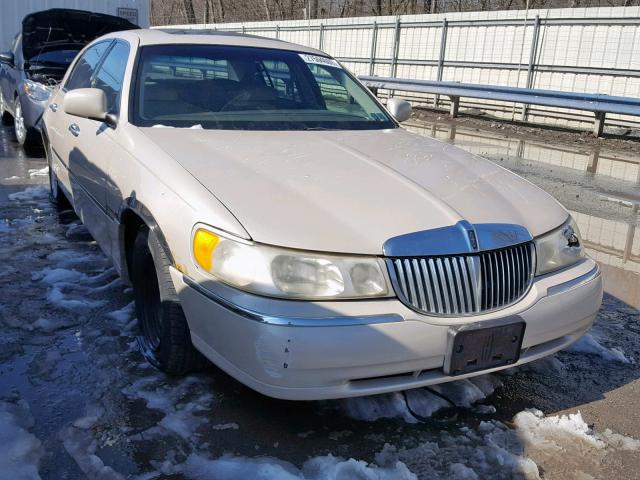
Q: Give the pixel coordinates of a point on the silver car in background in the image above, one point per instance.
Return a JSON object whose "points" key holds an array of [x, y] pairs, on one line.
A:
{"points": [[39, 57], [273, 217]]}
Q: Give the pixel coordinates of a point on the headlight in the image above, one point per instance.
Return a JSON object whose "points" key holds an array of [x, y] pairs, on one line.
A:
{"points": [[559, 249], [36, 91], [281, 272]]}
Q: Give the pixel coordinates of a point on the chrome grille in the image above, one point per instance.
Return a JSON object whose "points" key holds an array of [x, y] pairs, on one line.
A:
{"points": [[466, 284]]}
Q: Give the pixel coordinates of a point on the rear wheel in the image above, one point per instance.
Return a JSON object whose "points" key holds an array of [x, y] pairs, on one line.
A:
{"points": [[164, 336]]}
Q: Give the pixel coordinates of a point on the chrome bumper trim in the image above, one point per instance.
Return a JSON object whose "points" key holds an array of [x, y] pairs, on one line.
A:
{"points": [[576, 282], [292, 321]]}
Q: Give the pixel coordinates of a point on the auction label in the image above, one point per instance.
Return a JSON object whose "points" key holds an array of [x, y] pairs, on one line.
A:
{"points": [[318, 60]]}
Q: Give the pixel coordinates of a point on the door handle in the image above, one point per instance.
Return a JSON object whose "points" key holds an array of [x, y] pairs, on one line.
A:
{"points": [[53, 107], [74, 129]]}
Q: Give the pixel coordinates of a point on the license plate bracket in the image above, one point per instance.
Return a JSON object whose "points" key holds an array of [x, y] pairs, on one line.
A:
{"points": [[482, 346]]}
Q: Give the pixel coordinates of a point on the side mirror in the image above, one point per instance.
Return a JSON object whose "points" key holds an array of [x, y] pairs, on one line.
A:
{"points": [[88, 103], [399, 108], [7, 58]]}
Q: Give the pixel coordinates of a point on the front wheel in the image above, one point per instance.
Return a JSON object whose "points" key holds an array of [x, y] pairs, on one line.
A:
{"points": [[24, 135], [5, 117], [56, 195], [164, 336]]}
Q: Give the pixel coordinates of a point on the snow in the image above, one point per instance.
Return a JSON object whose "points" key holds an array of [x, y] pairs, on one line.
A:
{"points": [[71, 258], [77, 305], [4, 225], [492, 451], [620, 441], [375, 407], [226, 426], [553, 432], [414, 404], [197, 467], [182, 419], [49, 325], [588, 344], [94, 413], [20, 451], [82, 447], [541, 431], [464, 393], [42, 172], [462, 472], [31, 193], [123, 315]]}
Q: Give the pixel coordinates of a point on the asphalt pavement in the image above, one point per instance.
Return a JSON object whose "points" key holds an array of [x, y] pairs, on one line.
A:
{"points": [[77, 400]]}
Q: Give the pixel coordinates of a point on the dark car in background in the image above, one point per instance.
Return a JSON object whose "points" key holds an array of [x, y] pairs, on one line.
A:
{"points": [[38, 59]]}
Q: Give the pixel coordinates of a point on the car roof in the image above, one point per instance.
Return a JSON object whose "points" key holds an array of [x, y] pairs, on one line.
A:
{"points": [[144, 37]]}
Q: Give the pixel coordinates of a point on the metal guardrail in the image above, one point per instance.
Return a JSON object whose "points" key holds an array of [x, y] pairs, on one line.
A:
{"points": [[599, 104]]}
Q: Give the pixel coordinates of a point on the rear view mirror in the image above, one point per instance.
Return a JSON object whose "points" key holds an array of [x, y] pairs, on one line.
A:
{"points": [[86, 103], [7, 58], [399, 108]]}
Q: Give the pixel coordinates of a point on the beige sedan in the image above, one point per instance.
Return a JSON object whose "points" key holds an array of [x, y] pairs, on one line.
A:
{"points": [[274, 218]]}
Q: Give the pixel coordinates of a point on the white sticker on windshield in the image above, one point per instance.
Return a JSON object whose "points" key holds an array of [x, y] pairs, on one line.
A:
{"points": [[318, 60]]}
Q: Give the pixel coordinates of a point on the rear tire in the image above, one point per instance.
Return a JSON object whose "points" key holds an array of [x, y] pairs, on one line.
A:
{"points": [[164, 337]]}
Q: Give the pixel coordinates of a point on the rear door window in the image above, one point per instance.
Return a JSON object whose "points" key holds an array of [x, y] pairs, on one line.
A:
{"points": [[86, 66]]}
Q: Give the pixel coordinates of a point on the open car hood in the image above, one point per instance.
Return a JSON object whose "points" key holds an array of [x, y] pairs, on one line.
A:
{"points": [[60, 28]]}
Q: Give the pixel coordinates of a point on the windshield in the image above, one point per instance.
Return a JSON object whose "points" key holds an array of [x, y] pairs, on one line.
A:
{"points": [[222, 87], [55, 57]]}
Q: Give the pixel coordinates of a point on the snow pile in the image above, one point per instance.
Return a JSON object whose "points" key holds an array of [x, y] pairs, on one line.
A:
{"points": [[181, 418], [20, 451], [547, 432], [73, 258], [464, 393], [553, 433], [588, 344], [197, 467], [422, 402], [123, 315], [78, 305], [81, 445], [69, 288], [48, 324], [492, 451], [42, 172], [30, 193]]}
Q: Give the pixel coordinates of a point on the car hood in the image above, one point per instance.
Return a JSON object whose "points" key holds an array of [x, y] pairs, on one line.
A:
{"points": [[61, 28], [350, 191]]}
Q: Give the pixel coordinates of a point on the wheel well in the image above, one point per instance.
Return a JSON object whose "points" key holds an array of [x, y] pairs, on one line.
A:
{"points": [[131, 223]]}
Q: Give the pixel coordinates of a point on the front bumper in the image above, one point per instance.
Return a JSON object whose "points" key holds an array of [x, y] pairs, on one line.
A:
{"points": [[315, 350], [32, 111]]}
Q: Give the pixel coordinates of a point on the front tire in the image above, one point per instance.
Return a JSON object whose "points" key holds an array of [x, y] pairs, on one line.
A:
{"points": [[56, 195], [5, 117], [25, 136], [164, 337]]}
